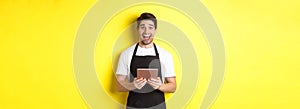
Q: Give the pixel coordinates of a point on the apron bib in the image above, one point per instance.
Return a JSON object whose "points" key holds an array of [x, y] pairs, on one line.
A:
{"points": [[147, 97]]}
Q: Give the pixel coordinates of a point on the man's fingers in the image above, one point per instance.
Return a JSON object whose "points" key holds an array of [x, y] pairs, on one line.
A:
{"points": [[155, 83], [139, 82]]}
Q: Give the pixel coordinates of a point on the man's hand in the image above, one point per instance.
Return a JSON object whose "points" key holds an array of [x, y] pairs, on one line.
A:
{"points": [[139, 83], [155, 83]]}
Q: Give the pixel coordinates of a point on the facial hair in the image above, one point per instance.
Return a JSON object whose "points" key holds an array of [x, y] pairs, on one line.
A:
{"points": [[145, 43]]}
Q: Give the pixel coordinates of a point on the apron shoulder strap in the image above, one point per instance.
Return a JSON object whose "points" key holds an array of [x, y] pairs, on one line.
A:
{"points": [[155, 48], [135, 49]]}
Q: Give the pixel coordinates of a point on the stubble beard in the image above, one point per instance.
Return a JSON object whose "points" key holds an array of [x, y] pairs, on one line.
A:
{"points": [[145, 43]]}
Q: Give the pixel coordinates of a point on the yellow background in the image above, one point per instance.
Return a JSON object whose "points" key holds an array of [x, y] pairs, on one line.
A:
{"points": [[261, 41]]}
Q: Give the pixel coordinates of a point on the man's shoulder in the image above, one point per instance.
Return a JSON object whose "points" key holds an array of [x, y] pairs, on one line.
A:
{"points": [[129, 50]]}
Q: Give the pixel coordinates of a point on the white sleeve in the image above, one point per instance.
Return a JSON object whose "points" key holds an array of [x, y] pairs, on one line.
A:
{"points": [[122, 64], [169, 66]]}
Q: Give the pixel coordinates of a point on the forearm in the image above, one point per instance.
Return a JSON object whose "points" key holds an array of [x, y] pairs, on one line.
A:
{"points": [[124, 86], [168, 87]]}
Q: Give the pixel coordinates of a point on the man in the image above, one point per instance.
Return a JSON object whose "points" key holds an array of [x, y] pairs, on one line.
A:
{"points": [[146, 93]]}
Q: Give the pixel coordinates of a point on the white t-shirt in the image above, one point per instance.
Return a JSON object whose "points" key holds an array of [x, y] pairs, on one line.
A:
{"points": [[166, 60]]}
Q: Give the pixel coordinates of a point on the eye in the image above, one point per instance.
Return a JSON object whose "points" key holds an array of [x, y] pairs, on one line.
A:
{"points": [[150, 28], [142, 27]]}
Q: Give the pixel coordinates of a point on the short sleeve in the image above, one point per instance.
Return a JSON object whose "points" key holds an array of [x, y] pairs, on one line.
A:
{"points": [[122, 64], [169, 66]]}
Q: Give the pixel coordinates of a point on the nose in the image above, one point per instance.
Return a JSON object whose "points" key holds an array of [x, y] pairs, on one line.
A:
{"points": [[146, 30]]}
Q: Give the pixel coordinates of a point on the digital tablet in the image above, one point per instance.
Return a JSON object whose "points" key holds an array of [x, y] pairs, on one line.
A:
{"points": [[147, 73]]}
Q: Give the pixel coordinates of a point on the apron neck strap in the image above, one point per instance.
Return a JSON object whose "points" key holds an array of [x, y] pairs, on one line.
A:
{"points": [[136, 46]]}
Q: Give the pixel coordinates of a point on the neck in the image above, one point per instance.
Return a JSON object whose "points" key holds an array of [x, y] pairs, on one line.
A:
{"points": [[146, 46]]}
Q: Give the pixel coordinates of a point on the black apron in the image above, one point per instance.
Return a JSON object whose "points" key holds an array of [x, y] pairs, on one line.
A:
{"points": [[147, 97]]}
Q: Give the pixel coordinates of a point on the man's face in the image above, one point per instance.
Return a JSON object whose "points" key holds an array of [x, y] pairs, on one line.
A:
{"points": [[146, 30]]}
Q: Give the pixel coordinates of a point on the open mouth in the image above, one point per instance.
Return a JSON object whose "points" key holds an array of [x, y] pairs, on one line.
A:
{"points": [[146, 35]]}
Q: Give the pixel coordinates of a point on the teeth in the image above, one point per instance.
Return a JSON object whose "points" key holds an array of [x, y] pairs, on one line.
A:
{"points": [[146, 35]]}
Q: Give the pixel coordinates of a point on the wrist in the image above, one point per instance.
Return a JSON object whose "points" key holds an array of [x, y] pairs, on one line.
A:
{"points": [[159, 87], [132, 86]]}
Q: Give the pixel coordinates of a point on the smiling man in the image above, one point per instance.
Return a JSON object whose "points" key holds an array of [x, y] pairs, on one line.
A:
{"points": [[146, 92]]}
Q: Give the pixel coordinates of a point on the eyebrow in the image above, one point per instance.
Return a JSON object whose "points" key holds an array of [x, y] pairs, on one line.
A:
{"points": [[144, 24], [151, 24]]}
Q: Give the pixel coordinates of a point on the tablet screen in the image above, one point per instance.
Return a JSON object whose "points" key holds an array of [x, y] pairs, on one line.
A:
{"points": [[147, 73]]}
